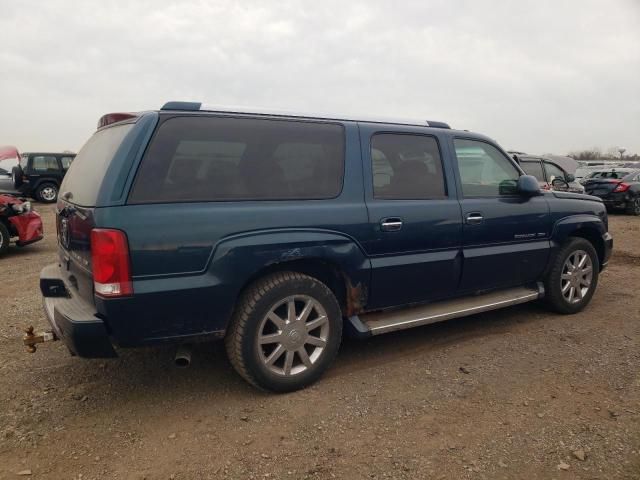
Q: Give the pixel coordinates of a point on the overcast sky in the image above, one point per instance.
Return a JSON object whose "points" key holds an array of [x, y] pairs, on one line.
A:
{"points": [[539, 76]]}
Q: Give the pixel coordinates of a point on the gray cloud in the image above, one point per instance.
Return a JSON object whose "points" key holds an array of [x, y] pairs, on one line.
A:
{"points": [[538, 76]]}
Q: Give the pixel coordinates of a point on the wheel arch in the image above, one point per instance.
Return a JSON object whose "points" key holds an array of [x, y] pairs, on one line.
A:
{"points": [[593, 237], [351, 298], [588, 227]]}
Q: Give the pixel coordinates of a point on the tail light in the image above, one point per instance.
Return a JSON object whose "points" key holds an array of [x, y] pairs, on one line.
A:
{"points": [[621, 187], [111, 263]]}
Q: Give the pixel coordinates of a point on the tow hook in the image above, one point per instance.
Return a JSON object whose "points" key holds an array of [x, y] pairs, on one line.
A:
{"points": [[31, 339]]}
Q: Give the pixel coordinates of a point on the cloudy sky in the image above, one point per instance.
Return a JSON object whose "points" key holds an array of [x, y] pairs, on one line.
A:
{"points": [[539, 76]]}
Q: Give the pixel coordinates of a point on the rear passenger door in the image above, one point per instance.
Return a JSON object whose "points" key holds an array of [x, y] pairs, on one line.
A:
{"points": [[506, 235], [415, 223]]}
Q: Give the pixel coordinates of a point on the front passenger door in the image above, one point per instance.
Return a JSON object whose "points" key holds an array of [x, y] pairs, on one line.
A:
{"points": [[505, 234]]}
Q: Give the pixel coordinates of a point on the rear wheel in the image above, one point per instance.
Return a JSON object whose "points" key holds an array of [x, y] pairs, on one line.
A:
{"points": [[573, 277], [285, 332], [4, 238], [47, 192], [633, 206]]}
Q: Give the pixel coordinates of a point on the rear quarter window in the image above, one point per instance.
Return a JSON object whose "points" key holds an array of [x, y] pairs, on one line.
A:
{"points": [[89, 166], [193, 159]]}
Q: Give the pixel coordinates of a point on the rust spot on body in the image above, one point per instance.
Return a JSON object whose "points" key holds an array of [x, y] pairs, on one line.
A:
{"points": [[356, 298]]}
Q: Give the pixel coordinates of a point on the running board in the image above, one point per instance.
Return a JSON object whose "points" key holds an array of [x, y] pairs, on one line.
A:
{"points": [[377, 323]]}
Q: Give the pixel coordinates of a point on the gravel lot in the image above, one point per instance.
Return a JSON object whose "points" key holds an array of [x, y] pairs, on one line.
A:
{"points": [[519, 393]]}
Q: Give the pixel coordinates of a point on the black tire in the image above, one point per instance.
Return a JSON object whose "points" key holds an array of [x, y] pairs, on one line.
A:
{"points": [[5, 238], [47, 192], [16, 176], [248, 356], [553, 284], [633, 206]]}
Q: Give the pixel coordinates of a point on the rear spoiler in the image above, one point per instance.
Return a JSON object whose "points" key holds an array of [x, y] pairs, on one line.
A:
{"points": [[111, 118]]}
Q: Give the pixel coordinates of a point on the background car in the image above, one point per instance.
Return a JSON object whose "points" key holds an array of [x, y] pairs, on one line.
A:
{"points": [[39, 175], [623, 193], [611, 172], [547, 172], [19, 222]]}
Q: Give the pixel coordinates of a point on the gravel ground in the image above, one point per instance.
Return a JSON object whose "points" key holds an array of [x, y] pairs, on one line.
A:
{"points": [[518, 393]]}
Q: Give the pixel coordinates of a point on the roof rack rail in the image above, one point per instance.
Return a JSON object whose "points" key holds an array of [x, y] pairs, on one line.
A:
{"points": [[197, 106]]}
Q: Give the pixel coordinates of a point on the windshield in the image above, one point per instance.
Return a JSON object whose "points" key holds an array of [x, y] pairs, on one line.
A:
{"points": [[88, 168]]}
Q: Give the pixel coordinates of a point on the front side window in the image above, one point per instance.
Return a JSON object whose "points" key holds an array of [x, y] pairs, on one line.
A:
{"points": [[42, 163], [406, 167], [484, 170], [533, 168], [225, 159], [553, 172]]}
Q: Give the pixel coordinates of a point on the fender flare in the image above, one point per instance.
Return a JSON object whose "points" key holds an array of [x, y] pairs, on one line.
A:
{"points": [[240, 259]]}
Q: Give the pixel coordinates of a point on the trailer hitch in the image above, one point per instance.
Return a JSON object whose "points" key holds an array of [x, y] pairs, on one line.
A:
{"points": [[31, 339]]}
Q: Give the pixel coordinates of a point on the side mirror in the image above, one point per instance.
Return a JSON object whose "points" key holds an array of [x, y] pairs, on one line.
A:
{"points": [[570, 178], [528, 185], [560, 183]]}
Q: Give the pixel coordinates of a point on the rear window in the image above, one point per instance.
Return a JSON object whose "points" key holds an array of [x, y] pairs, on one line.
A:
{"points": [[90, 164], [224, 159], [45, 163]]}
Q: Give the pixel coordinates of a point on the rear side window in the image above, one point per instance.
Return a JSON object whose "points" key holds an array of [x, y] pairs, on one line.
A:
{"points": [[42, 163], [533, 168], [89, 166], [484, 170], [406, 167], [224, 159]]}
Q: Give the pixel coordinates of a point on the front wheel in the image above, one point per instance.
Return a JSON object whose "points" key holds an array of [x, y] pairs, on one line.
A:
{"points": [[633, 206], [573, 277], [285, 332]]}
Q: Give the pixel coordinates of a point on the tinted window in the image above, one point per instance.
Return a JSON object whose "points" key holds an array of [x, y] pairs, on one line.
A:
{"points": [[553, 171], [216, 158], [406, 167], [42, 163], [533, 168], [88, 168], [66, 162], [484, 170]]}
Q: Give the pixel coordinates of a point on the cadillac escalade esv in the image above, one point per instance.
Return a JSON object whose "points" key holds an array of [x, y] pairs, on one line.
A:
{"points": [[277, 232]]}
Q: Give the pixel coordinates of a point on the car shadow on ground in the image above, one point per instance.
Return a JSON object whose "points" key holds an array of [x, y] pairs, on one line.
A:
{"points": [[150, 372]]}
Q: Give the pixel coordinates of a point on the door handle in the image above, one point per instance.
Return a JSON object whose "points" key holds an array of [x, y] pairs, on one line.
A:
{"points": [[391, 224], [474, 218]]}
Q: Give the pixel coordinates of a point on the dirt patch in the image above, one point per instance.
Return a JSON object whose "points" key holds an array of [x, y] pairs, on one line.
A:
{"points": [[518, 393]]}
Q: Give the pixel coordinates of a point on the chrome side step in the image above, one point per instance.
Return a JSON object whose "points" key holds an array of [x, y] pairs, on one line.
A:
{"points": [[377, 323]]}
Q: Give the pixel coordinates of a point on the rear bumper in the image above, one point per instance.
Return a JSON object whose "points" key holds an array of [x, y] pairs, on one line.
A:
{"points": [[73, 319], [617, 199]]}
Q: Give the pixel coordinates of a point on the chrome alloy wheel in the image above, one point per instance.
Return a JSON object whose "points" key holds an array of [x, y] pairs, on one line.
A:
{"points": [[293, 335], [577, 274], [48, 194]]}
